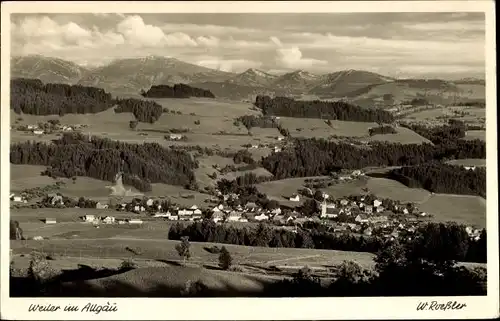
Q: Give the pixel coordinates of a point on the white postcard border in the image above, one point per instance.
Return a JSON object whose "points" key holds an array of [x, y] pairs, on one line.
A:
{"points": [[256, 308]]}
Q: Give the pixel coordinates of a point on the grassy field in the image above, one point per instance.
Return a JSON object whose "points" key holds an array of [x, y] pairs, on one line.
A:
{"points": [[475, 134], [309, 128], [463, 209], [479, 162], [163, 249]]}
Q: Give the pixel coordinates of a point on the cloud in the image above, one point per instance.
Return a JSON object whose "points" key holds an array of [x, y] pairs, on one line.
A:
{"points": [[232, 65], [291, 57], [136, 32], [448, 26]]}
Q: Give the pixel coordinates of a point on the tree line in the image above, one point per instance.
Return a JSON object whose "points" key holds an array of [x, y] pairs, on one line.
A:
{"points": [[250, 121], [75, 154], [337, 110], [381, 130], [443, 134], [176, 91], [31, 96], [317, 157], [432, 241], [442, 178], [146, 111]]}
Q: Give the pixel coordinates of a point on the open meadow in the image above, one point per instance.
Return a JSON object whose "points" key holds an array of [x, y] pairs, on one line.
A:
{"points": [[463, 209], [318, 128]]}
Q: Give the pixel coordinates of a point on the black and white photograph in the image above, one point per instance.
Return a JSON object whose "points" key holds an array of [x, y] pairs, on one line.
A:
{"points": [[260, 155]]}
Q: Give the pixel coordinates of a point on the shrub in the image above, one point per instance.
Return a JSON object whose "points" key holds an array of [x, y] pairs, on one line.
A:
{"points": [[225, 259], [183, 248]]}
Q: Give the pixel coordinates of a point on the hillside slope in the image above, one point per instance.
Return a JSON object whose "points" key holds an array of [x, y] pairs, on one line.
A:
{"points": [[47, 69]]}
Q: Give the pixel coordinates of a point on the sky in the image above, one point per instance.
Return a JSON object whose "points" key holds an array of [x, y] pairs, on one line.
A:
{"points": [[444, 45]]}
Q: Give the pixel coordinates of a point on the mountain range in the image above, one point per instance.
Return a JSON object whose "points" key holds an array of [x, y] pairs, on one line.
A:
{"points": [[125, 76]]}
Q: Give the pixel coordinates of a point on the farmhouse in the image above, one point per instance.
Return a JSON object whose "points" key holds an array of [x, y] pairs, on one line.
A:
{"points": [[234, 216], [109, 220], [175, 136], [377, 203], [280, 138], [368, 209], [344, 202], [361, 218], [328, 210], [101, 206], [470, 168], [18, 199], [135, 221], [261, 217], [150, 202], [378, 219], [89, 218], [38, 132], [217, 216], [50, 221], [295, 198]]}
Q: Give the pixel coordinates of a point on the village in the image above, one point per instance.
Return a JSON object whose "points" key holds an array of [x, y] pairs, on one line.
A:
{"points": [[357, 214]]}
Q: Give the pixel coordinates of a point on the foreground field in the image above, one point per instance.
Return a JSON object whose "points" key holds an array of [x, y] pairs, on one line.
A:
{"points": [[163, 249]]}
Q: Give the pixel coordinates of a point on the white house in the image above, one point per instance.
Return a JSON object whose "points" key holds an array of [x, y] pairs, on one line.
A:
{"points": [[135, 221], [295, 198], [255, 146], [470, 168], [280, 138], [217, 216], [361, 218], [101, 206], [18, 199], [159, 214], [38, 132], [194, 207], [276, 211], [368, 231], [173, 218], [261, 217], [89, 218], [277, 149], [377, 203], [150, 202], [328, 210], [344, 202], [380, 209], [356, 173], [368, 209], [109, 220], [234, 216], [405, 211], [175, 136], [197, 212], [216, 209], [196, 215]]}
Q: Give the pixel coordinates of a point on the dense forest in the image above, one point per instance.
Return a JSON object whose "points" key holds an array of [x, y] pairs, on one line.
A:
{"points": [[176, 91], [443, 178], [31, 96], [454, 131], [146, 111], [250, 121], [338, 110], [100, 158], [317, 157], [432, 241]]}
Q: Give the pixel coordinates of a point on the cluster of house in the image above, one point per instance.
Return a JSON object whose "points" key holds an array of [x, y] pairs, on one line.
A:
{"points": [[175, 137], [96, 220], [36, 130], [18, 198]]}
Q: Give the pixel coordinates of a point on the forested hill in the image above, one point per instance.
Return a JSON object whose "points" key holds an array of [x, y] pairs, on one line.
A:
{"points": [[316, 157], [31, 96], [443, 178], [177, 91], [339, 110], [75, 155]]}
